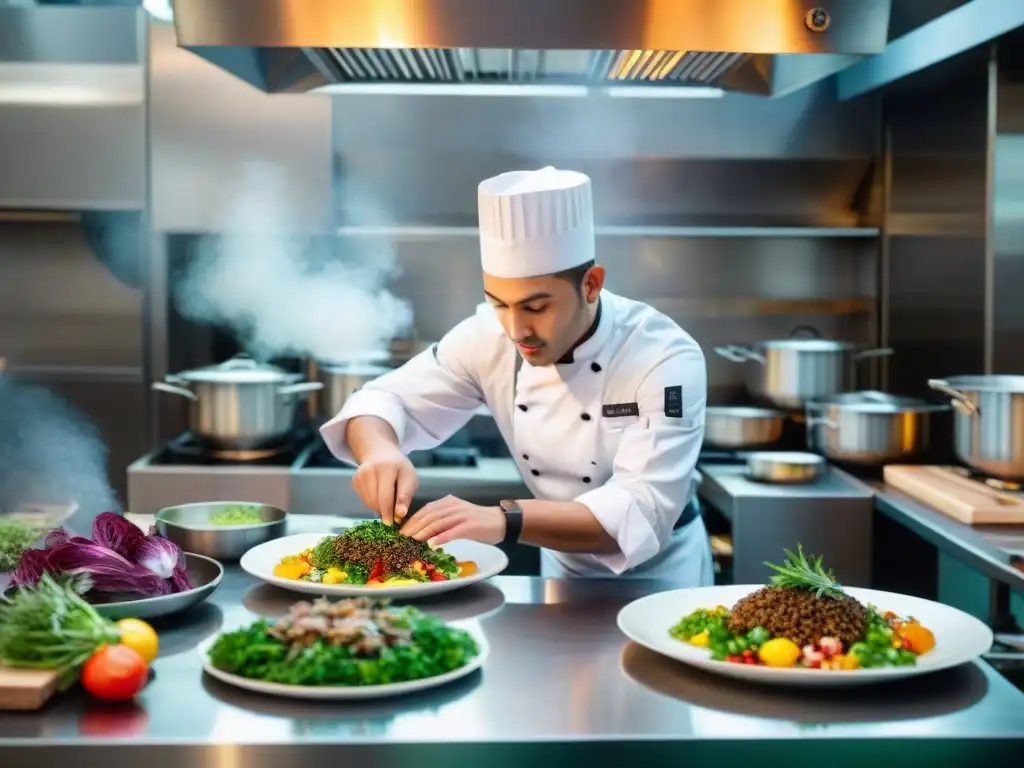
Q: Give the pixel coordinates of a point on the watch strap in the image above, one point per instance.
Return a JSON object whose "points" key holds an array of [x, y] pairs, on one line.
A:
{"points": [[513, 520]]}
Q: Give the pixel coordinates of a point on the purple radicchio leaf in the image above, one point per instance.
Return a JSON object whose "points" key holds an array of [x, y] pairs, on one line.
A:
{"points": [[109, 571], [117, 534], [55, 537], [30, 569], [165, 558]]}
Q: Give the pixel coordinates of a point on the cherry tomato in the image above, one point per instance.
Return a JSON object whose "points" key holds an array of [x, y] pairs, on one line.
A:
{"points": [[437, 576], [115, 673]]}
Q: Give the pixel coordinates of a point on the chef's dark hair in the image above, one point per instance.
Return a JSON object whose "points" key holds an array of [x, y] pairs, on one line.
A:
{"points": [[576, 274]]}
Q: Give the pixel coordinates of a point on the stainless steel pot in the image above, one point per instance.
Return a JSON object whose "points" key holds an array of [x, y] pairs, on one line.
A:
{"points": [[789, 372], [785, 467], [188, 526], [733, 428], [988, 422], [870, 428], [240, 404], [341, 380]]}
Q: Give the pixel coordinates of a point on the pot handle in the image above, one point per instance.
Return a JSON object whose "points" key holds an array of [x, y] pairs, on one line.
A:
{"points": [[298, 389], [807, 331], [866, 353], [170, 389], [957, 398], [737, 354]]}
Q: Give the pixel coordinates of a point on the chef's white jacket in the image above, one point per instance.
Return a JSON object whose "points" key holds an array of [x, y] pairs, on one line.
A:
{"points": [[618, 429]]}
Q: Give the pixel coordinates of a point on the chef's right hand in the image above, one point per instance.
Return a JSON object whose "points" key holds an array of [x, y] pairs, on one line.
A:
{"points": [[386, 481]]}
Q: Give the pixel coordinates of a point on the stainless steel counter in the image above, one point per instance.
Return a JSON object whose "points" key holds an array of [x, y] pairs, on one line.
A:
{"points": [[990, 549], [561, 684]]}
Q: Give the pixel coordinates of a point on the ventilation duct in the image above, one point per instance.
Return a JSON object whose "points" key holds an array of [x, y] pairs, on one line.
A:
{"points": [[768, 47]]}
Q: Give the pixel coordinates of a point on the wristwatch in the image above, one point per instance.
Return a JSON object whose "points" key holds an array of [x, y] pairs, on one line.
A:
{"points": [[513, 520]]}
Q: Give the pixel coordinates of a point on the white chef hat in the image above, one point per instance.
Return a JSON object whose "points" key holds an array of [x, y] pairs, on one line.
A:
{"points": [[535, 222]]}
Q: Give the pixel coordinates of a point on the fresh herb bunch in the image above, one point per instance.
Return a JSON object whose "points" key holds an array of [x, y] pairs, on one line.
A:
{"points": [[434, 650], [49, 626], [800, 573], [15, 538]]}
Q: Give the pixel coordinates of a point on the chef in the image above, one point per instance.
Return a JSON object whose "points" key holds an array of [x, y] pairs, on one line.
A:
{"points": [[599, 398]]}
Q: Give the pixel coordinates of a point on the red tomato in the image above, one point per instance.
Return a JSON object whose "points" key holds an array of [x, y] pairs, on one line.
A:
{"points": [[437, 576], [377, 571], [115, 673]]}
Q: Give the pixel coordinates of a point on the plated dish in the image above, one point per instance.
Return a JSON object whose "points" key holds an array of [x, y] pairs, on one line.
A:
{"points": [[352, 648], [804, 628], [370, 558]]}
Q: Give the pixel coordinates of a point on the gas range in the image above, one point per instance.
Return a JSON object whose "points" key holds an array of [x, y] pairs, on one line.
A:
{"points": [[306, 478]]}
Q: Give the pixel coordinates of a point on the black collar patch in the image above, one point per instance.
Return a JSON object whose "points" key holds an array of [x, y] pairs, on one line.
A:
{"points": [[620, 409]]}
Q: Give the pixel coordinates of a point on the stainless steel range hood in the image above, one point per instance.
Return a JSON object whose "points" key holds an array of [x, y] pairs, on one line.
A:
{"points": [[768, 47]]}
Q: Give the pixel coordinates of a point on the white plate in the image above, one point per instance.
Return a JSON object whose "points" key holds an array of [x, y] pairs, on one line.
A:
{"points": [[260, 561], [345, 692], [959, 637]]}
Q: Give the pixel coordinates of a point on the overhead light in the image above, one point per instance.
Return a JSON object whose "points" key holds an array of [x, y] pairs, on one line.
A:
{"points": [[670, 92], [512, 90], [454, 89], [161, 10]]}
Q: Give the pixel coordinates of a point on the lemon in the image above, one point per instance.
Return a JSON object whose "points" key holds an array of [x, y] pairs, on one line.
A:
{"points": [[140, 637], [779, 652]]}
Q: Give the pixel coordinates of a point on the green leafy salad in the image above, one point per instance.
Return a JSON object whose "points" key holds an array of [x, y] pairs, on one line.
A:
{"points": [[353, 642]]}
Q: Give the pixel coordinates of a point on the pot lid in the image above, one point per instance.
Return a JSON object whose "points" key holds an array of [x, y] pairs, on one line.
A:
{"points": [[871, 401], [240, 369], [354, 369], [809, 345], [988, 383]]}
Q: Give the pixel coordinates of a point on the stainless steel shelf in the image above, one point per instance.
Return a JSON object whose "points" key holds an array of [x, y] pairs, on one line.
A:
{"points": [[436, 232]]}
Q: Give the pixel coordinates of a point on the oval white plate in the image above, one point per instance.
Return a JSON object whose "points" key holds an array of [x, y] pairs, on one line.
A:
{"points": [[343, 692], [959, 637], [260, 561]]}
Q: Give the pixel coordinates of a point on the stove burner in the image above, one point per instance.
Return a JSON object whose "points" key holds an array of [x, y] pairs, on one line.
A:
{"points": [[185, 449]]}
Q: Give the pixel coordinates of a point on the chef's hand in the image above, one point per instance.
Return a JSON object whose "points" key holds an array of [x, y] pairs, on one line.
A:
{"points": [[386, 481], [450, 518]]}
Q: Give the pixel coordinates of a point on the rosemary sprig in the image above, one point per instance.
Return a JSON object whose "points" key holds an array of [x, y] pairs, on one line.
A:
{"points": [[800, 573], [49, 626]]}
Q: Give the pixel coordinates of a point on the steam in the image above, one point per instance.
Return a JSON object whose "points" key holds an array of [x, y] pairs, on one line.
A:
{"points": [[50, 453], [284, 294]]}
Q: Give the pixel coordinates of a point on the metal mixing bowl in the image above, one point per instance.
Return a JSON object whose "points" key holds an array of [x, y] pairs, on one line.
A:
{"points": [[188, 526]]}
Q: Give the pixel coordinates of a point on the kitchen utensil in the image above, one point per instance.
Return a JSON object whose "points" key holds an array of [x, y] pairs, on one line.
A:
{"points": [[26, 689], [205, 573], [784, 467], [240, 404], [742, 427], [188, 526], [341, 380], [789, 372], [988, 422], [260, 561], [969, 501], [870, 427], [347, 692], [959, 637]]}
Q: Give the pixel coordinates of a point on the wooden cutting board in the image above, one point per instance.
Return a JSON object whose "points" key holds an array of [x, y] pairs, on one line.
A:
{"points": [[969, 501], [26, 688]]}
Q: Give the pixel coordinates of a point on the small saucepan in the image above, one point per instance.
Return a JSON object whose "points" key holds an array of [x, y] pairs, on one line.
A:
{"points": [[738, 427], [785, 467]]}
